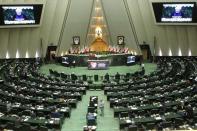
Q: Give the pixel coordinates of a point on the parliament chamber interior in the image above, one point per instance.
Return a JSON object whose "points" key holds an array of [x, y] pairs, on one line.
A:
{"points": [[98, 65]]}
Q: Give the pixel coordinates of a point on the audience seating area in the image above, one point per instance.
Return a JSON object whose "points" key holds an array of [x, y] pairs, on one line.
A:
{"points": [[165, 99], [32, 101]]}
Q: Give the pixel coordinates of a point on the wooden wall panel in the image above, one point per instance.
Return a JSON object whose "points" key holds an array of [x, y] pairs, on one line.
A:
{"points": [[13, 42], [24, 42], [182, 40], [192, 40], [4, 39]]}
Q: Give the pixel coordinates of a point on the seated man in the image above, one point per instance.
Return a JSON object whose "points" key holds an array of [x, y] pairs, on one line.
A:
{"points": [[73, 76], [90, 116], [189, 111], [74, 63], [91, 119], [55, 114], [107, 77], [117, 76]]}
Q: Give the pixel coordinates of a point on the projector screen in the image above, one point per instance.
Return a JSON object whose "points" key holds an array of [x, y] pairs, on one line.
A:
{"points": [[23, 15], [172, 13]]}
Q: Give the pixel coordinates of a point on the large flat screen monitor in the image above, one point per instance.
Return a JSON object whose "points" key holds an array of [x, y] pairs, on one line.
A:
{"points": [[175, 12], [20, 15]]}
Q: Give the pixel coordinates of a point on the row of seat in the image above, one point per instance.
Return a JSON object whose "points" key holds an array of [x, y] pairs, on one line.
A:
{"points": [[165, 96], [34, 100]]}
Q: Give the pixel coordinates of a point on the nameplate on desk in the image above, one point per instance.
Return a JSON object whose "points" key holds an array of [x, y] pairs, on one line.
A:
{"points": [[134, 108]]}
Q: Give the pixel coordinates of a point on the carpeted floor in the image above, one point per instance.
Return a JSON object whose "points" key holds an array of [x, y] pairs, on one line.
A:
{"points": [[149, 67], [78, 115]]}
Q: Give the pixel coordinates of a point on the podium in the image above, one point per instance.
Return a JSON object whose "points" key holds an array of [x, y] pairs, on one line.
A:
{"points": [[98, 64]]}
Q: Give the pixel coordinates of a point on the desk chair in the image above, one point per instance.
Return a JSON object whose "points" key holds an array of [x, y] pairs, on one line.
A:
{"points": [[3, 109], [43, 128], [40, 114], [50, 71], [95, 77], [84, 77], [167, 124], [124, 114], [178, 122], [150, 126], [25, 127], [92, 110], [26, 113], [2, 125], [91, 122], [132, 128], [10, 126]]}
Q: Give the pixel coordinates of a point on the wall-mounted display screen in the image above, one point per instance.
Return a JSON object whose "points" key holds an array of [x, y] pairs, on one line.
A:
{"points": [[184, 12], [11, 15]]}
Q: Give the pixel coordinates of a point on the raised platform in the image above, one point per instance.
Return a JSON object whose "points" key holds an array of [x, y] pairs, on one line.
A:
{"points": [[149, 67], [114, 59]]}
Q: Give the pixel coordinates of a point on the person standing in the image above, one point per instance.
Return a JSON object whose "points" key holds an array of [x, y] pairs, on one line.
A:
{"points": [[101, 107]]}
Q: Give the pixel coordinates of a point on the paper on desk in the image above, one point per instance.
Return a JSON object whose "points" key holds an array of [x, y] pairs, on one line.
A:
{"points": [[26, 119], [158, 118], [134, 108], [128, 121], [63, 110]]}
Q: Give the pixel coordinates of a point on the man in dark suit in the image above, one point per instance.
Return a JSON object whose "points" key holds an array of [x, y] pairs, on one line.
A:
{"points": [[55, 114], [91, 119], [189, 111], [117, 76], [107, 77]]}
